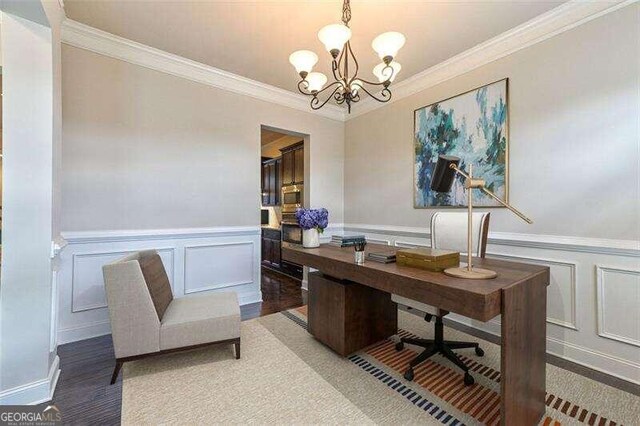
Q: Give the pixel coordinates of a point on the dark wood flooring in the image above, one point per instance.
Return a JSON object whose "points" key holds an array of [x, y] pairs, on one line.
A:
{"points": [[83, 394]]}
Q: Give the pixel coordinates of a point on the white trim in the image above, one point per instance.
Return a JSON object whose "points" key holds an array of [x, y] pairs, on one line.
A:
{"points": [[157, 234], [572, 324], [600, 303], [83, 331], [556, 21], [35, 392], [553, 242], [86, 37], [123, 253], [222, 285]]}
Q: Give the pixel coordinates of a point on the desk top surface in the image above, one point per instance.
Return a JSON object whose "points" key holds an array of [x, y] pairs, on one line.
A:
{"points": [[474, 298]]}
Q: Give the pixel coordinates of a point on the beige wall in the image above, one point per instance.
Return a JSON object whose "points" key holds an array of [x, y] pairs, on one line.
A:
{"points": [[147, 150], [574, 129]]}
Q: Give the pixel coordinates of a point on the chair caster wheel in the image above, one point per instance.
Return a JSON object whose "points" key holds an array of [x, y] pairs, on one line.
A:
{"points": [[468, 379], [399, 346], [409, 374], [479, 351]]}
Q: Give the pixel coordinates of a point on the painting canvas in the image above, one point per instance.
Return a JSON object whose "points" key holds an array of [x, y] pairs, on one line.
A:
{"points": [[472, 126]]}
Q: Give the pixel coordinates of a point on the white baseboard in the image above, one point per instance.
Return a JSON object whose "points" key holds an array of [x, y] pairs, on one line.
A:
{"points": [[35, 392]]}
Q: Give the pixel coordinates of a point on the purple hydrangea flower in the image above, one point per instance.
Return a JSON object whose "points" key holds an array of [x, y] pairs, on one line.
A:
{"points": [[313, 218]]}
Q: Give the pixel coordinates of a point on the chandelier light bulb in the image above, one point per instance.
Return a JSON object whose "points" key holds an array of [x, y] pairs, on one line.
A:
{"points": [[334, 37], [315, 81], [303, 61], [355, 86], [388, 44], [384, 73]]}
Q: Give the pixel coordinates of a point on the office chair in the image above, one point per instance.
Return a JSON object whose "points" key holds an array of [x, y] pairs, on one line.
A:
{"points": [[448, 231]]}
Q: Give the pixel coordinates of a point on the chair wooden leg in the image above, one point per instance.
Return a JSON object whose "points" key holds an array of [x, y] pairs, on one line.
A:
{"points": [[116, 370], [237, 347]]}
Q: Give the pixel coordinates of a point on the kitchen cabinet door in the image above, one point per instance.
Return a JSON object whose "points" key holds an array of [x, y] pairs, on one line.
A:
{"points": [[298, 165]]}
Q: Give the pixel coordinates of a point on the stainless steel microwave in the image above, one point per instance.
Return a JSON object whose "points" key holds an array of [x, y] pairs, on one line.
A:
{"points": [[292, 198]]}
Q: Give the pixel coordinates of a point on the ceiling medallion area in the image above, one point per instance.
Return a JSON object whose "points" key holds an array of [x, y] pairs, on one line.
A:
{"points": [[347, 85]]}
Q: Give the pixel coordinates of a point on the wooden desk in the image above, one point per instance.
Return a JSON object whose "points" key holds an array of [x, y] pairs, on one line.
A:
{"points": [[518, 293]]}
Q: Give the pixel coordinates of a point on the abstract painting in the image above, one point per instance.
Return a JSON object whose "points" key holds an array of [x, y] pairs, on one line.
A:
{"points": [[472, 126]]}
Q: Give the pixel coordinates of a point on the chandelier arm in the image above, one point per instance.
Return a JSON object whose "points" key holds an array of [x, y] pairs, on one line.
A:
{"points": [[328, 87], [355, 61], [386, 94], [315, 101], [371, 83], [334, 68]]}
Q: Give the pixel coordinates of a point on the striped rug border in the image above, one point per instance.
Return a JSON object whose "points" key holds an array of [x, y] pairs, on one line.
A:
{"points": [[414, 397], [554, 402]]}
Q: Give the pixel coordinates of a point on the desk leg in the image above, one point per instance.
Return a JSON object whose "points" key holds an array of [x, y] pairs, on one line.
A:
{"points": [[523, 363]]}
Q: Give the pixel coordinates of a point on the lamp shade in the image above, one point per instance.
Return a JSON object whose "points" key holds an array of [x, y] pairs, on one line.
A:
{"points": [[384, 72], [388, 44], [355, 86], [443, 174], [315, 81], [334, 36], [303, 60]]}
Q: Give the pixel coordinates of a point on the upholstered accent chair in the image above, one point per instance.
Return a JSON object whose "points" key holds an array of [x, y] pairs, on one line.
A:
{"points": [[146, 320], [448, 232]]}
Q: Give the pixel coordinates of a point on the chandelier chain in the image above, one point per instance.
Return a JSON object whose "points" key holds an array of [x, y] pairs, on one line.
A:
{"points": [[346, 12]]}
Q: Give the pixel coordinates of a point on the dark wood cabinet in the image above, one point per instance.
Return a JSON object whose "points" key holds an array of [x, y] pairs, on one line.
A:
{"points": [[293, 164], [271, 247], [271, 182]]}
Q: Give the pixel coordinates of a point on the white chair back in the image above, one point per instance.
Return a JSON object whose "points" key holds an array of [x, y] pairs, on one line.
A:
{"points": [[449, 231]]}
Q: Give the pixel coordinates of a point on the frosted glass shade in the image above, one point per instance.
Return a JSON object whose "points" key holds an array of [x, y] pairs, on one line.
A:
{"points": [[315, 81], [334, 36], [303, 60], [386, 74], [388, 44]]}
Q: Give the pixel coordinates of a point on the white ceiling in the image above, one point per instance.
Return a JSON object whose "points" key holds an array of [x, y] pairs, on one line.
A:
{"points": [[254, 38]]}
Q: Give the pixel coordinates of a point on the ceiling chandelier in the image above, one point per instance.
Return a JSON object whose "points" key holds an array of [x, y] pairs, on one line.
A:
{"points": [[347, 85]]}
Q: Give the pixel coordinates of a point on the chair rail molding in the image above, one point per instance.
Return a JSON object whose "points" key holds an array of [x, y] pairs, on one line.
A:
{"points": [[224, 258], [556, 21], [592, 313], [83, 36]]}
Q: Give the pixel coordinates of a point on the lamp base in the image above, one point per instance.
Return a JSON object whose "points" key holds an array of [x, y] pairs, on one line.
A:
{"points": [[473, 274]]}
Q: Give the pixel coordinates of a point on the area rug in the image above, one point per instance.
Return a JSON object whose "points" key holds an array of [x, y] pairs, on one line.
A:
{"points": [[285, 376]]}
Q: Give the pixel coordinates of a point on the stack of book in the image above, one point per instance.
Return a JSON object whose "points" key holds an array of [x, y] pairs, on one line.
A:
{"points": [[388, 256], [346, 240]]}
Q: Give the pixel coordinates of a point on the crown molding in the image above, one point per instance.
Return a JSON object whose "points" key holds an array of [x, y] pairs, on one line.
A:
{"points": [[83, 36], [556, 21]]}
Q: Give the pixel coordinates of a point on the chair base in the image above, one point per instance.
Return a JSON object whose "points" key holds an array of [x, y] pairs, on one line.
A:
{"points": [[121, 361], [438, 346]]}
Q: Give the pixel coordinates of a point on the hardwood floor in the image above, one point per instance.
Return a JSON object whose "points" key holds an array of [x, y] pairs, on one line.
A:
{"points": [[83, 394]]}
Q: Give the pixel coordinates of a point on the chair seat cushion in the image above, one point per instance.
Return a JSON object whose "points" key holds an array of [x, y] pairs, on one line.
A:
{"points": [[200, 319], [423, 307]]}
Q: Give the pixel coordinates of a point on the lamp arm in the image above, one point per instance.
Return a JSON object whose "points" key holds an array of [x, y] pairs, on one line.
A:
{"points": [[492, 195]]}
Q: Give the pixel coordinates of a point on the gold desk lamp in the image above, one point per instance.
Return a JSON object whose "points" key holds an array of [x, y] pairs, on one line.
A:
{"points": [[442, 180]]}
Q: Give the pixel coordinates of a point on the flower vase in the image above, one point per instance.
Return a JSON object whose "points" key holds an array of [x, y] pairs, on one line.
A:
{"points": [[310, 238]]}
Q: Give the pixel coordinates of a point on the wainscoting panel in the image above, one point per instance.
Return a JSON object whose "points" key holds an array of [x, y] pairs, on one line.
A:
{"points": [[215, 266], [196, 260], [618, 299], [86, 281], [593, 308]]}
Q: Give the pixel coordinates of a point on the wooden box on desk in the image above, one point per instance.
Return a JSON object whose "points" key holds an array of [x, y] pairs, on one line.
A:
{"points": [[347, 316], [429, 259]]}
